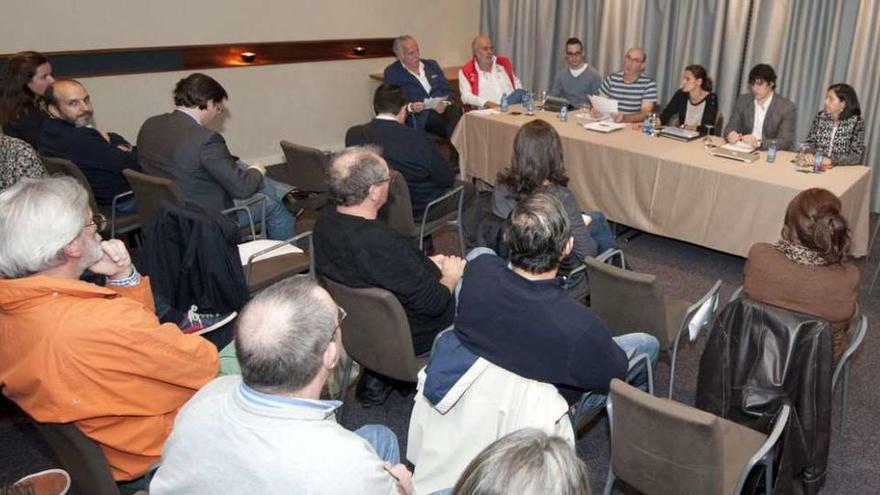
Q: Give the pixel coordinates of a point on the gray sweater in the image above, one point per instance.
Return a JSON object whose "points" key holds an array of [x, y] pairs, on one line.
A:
{"points": [[584, 245], [224, 443], [576, 89]]}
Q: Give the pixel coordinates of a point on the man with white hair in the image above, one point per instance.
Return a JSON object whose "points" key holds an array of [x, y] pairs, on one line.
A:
{"points": [[485, 78], [77, 352], [267, 431]]}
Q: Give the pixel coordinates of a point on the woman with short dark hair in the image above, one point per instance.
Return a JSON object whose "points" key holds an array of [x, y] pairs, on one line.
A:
{"points": [[839, 129], [22, 85], [695, 105], [537, 166], [808, 270]]}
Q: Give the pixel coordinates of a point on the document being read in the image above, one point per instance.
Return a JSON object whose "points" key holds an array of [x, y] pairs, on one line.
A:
{"points": [[605, 106], [431, 103]]}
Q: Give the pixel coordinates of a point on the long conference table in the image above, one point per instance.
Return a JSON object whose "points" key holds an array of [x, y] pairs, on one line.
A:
{"points": [[666, 187]]}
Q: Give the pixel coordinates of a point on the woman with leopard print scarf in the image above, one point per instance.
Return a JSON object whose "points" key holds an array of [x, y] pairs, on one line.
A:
{"points": [[808, 270]]}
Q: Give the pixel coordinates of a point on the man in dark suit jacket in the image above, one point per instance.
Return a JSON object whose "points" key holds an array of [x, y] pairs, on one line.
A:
{"points": [[71, 134], [422, 79], [763, 114], [177, 145]]}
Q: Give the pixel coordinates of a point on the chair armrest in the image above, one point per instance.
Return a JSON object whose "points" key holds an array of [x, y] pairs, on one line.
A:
{"points": [[113, 211], [280, 244], [762, 454], [234, 209], [610, 254]]}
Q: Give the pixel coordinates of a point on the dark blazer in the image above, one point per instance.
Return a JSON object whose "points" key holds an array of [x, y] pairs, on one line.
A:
{"points": [[678, 105], [398, 75], [428, 175], [779, 124], [175, 146], [101, 162]]}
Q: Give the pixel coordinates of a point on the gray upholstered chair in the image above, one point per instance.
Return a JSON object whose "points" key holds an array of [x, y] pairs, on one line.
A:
{"points": [[375, 333], [120, 223], [397, 212], [660, 446], [306, 170], [629, 301]]}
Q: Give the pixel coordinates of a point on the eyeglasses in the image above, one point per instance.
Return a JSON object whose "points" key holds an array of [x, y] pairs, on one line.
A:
{"points": [[634, 60], [389, 180], [340, 315], [99, 221], [572, 54]]}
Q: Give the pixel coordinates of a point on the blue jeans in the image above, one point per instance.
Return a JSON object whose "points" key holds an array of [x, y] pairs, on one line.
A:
{"points": [[279, 221], [600, 231], [383, 440], [632, 344]]}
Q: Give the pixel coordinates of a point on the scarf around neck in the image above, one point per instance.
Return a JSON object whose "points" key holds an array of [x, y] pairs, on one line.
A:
{"points": [[799, 254]]}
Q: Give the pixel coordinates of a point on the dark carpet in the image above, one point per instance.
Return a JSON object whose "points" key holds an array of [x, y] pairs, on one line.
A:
{"points": [[685, 271]]}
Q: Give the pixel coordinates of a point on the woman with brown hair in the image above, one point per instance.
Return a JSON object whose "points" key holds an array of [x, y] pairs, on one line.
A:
{"points": [[808, 270], [22, 85], [537, 166]]}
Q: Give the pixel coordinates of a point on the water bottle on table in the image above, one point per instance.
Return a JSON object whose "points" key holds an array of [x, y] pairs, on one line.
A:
{"points": [[504, 102], [648, 125], [563, 113], [771, 150], [529, 104], [817, 162]]}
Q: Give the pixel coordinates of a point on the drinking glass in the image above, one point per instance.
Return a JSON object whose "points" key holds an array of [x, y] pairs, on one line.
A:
{"points": [[542, 98], [707, 140]]}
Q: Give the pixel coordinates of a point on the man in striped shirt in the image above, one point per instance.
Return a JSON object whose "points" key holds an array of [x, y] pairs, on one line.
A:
{"points": [[635, 92]]}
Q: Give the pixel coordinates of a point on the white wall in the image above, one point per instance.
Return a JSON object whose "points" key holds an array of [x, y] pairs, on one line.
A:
{"points": [[308, 103]]}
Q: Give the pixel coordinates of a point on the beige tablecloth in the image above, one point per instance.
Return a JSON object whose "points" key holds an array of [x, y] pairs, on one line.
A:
{"points": [[666, 187]]}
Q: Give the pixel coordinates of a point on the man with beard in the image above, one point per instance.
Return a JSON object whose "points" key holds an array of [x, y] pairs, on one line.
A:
{"points": [[77, 352], [71, 134]]}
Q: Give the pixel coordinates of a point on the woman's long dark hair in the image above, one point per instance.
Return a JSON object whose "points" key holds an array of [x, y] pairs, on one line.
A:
{"points": [[813, 220], [15, 95], [537, 156]]}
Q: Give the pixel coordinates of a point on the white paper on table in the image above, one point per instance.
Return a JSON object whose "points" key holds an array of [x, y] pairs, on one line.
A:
{"points": [[485, 111], [699, 320], [739, 146], [431, 103], [605, 106]]}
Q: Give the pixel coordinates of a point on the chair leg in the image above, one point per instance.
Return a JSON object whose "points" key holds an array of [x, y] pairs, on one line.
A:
{"points": [[768, 474], [843, 398], [673, 356], [609, 483], [874, 278], [873, 238], [461, 238]]}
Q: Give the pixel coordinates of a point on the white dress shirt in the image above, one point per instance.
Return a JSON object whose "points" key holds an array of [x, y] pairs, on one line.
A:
{"points": [[492, 85], [423, 79], [760, 114]]}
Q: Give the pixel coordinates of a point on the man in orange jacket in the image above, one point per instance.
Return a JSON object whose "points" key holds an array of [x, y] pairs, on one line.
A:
{"points": [[72, 351]]}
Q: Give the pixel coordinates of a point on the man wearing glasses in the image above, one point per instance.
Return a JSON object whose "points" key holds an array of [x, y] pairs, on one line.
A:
{"points": [[579, 80], [77, 352], [636, 93]]}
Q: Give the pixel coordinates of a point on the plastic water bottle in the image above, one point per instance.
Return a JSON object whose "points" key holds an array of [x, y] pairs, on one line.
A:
{"points": [[771, 151], [817, 164], [504, 103], [563, 113], [529, 103], [648, 125]]}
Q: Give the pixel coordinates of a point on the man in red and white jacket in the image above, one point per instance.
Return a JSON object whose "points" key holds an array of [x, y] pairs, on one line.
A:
{"points": [[485, 77]]}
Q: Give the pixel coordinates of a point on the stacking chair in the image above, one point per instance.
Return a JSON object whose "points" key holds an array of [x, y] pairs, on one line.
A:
{"points": [[376, 333], [150, 191], [120, 223], [80, 456], [660, 446], [306, 169], [397, 212], [628, 301]]}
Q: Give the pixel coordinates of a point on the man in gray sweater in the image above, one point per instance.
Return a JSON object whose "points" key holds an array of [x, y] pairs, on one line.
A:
{"points": [[579, 80], [267, 431]]}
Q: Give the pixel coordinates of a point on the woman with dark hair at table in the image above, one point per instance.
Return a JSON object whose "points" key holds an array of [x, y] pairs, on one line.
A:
{"points": [[537, 165], [695, 105], [839, 130], [22, 85], [808, 270]]}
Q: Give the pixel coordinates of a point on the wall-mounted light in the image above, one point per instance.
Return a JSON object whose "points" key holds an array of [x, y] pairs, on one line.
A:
{"points": [[248, 57], [360, 51]]}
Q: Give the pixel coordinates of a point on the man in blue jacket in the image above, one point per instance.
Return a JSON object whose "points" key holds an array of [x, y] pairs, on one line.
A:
{"points": [[422, 79]]}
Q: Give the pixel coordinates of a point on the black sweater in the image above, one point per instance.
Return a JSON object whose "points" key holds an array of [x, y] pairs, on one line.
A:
{"points": [[678, 106], [534, 329], [357, 252]]}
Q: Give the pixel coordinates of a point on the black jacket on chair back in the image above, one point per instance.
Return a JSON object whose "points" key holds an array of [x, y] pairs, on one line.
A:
{"points": [[191, 256], [759, 357]]}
